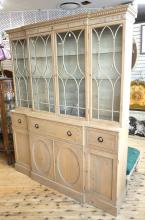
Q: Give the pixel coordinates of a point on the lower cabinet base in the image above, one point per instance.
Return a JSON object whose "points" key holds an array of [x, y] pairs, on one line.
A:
{"points": [[81, 197], [89, 199], [62, 189], [87, 164], [98, 203], [22, 169]]}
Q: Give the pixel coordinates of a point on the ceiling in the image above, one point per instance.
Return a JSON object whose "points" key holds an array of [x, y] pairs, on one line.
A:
{"points": [[19, 5]]}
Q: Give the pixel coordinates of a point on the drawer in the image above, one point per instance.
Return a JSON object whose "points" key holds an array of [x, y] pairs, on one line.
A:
{"points": [[19, 120], [56, 129], [102, 139]]}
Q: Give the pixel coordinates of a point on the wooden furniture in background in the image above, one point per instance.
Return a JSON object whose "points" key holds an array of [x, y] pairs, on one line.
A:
{"points": [[6, 104], [70, 125]]}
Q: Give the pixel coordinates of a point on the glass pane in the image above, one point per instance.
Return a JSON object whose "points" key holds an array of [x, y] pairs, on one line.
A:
{"points": [[71, 72], [106, 72], [41, 67], [22, 79]]}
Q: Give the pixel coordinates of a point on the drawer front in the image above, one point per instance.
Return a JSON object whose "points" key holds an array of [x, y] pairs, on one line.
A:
{"points": [[102, 139], [58, 130], [19, 120]]}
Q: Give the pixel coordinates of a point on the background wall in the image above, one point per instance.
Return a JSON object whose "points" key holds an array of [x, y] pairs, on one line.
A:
{"points": [[138, 72], [10, 20], [139, 69]]}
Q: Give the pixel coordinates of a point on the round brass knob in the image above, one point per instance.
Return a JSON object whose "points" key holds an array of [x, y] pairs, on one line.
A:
{"points": [[100, 139], [36, 126], [19, 121], [69, 133]]}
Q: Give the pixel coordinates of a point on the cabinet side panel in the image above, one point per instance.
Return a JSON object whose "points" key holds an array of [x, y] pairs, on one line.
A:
{"points": [[126, 73], [122, 164], [22, 148]]}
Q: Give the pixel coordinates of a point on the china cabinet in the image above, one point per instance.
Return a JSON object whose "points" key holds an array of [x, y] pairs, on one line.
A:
{"points": [[70, 125], [6, 104]]}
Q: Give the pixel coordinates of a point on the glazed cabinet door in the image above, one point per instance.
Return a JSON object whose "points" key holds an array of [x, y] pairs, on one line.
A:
{"points": [[69, 165], [42, 160], [21, 73], [106, 71], [41, 63], [22, 152], [101, 178], [71, 72]]}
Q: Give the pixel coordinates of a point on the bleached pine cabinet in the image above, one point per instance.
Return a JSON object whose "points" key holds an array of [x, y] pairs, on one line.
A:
{"points": [[72, 78]]}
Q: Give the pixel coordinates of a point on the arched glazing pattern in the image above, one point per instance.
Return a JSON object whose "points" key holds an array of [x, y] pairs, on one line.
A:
{"points": [[71, 72], [41, 69], [106, 72], [22, 78]]}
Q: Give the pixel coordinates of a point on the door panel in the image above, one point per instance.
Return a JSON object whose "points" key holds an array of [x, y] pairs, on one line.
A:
{"points": [[101, 176], [21, 144], [42, 156], [69, 165]]}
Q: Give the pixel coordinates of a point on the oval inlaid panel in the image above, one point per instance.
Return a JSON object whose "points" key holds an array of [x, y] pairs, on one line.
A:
{"points": [[68, 166], [41, 156]]}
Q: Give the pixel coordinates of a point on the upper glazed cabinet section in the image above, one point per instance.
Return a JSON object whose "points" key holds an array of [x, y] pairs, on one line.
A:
{"points": [[73, 66]]}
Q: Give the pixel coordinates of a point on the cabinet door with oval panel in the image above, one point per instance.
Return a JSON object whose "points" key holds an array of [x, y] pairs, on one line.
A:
{"points": [[42, 161], [69, 165]]}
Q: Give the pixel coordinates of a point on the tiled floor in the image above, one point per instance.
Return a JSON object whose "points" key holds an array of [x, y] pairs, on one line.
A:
{"points": [[22, 198]]}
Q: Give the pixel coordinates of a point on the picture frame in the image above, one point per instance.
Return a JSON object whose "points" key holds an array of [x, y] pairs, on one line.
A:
{"points": [[137, 96], [142, 49]]}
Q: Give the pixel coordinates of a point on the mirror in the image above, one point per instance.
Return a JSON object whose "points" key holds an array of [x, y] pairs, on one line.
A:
{"points": [[134, 54]]}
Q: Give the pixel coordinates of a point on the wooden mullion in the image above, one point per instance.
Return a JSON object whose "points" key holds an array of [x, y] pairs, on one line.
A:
{"points": [[55, 73]]}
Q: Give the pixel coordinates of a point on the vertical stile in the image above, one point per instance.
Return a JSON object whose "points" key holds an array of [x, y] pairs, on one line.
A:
{"points": [[89, 38], [87, 70], [122, 76], [14, 74], [30, 73], [127, 36], [55, 72]]}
